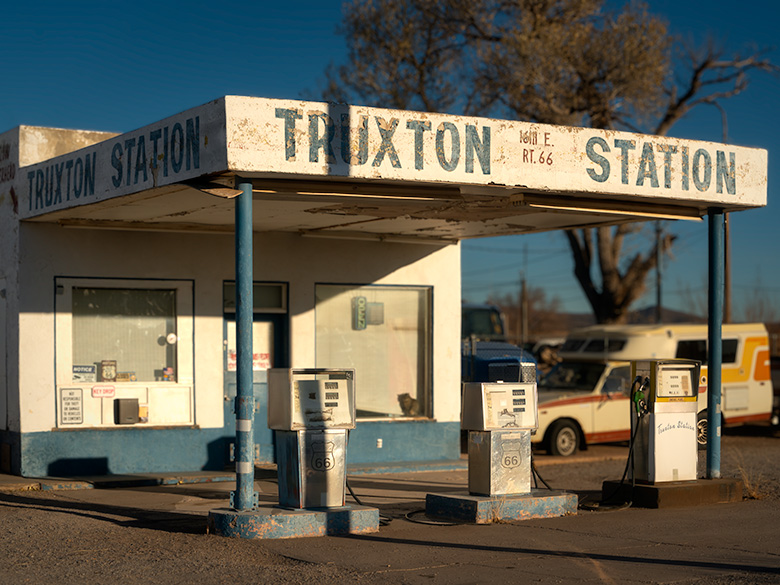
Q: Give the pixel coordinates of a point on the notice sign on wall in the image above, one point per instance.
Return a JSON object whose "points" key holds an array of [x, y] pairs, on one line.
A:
{"points": [[72, 406]]}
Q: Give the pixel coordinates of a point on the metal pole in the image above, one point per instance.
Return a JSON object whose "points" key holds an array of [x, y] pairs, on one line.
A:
{"points": [[245, 497], [658, 268], [520, 316], [727, 271], [714, 339]]}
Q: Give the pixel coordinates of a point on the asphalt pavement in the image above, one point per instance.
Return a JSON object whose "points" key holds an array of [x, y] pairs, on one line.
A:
{"points": [[723, 543]]}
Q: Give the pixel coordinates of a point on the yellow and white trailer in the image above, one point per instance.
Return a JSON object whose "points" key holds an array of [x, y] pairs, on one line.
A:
{"points": [[585, 398]]}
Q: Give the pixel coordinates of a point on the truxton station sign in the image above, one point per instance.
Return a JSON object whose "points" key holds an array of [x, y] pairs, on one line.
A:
{"points": [[305, 140]]}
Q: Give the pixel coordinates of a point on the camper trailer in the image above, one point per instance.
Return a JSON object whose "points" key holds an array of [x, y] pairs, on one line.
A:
{"points": [[585, 398]]}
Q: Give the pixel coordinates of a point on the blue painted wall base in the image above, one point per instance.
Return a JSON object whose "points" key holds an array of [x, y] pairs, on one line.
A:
{"points": [[403, 441], [114, 451], [119, 451], [486, 510], [272, 522]]}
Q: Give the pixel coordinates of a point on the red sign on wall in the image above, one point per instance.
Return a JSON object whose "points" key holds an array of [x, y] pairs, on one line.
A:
{"points": [[103, 391]]}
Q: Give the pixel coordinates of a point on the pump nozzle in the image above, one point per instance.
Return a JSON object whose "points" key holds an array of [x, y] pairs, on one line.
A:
{"points": [[638, 395]]}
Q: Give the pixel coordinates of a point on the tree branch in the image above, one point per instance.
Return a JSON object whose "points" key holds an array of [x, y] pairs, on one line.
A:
{"points": [[731, 72]]}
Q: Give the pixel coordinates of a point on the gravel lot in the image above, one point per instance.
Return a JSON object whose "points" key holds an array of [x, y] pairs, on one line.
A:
{"points": [[751, 454], [48, 536], [45, 539]]}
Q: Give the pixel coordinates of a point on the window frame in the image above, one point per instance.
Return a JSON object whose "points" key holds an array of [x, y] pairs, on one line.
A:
{"points": [[230, 309], [427, 358], [63, 328]]}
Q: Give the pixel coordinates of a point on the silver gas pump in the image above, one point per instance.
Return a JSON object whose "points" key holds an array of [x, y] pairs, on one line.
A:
{"points": [[664, 406], [499, 417], [310, 411]]}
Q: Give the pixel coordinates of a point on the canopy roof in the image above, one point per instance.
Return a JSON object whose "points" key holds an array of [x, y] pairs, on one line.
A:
{"points": [[349, 171]]}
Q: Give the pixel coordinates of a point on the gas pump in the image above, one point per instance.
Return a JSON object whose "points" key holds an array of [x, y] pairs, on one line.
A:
{"points": [[310, 411], [664, 406], [499, 417]]}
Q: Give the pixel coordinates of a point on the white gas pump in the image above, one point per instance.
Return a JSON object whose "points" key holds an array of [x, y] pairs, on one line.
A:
{"points": [[664, 406], [310, 411], [499, 417]]}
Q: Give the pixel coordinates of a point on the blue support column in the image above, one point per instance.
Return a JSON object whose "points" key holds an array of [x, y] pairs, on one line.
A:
{"points": [[714, 339], [245, 497]]}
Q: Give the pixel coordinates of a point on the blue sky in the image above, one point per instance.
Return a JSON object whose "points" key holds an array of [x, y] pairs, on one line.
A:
{"points": [[117, 66]]}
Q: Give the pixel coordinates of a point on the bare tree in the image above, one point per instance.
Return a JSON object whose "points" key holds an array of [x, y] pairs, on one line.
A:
{"points": [[569, 62], [544, 313], [619, 288], [710, 79], [760, 306]]}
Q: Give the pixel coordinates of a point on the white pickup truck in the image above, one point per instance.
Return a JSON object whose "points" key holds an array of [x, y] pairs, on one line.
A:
{"points": [[585, 398]]}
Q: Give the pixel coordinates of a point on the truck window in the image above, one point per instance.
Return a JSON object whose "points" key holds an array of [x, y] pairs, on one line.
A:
{"points": [[572, 344], [482, 322], [572, 376], [617, 381], [696, 349], [599, 345]]}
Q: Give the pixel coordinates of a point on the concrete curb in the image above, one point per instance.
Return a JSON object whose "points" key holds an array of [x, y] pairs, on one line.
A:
{"points": [[13, 483], [16, 483]]}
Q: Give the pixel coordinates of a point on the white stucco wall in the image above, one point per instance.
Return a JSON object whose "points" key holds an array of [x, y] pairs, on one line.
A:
{"points": [[50, 251], [9, 164], [20, 147]]}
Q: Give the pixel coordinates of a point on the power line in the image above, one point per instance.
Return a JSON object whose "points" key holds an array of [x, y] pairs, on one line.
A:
{"points": [[756, 288], [512, 266], [479, 248], [537, 281]]}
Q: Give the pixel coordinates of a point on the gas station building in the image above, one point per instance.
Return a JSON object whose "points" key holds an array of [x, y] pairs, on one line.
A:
{"points": [[118, 259]]}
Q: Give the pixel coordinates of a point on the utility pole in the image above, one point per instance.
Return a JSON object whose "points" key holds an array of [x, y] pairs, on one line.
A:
{"points": [[524, 298], [523, 311]]}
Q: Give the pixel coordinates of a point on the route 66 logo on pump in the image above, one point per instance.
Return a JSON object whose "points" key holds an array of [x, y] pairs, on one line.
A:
{"points": [[510, 454], [322, 458]]}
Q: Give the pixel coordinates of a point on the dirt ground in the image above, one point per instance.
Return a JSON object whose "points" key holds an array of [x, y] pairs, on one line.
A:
{"points": [[69, 538], [748, 453]]}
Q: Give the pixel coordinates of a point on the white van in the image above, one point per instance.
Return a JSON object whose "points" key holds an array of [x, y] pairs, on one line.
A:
{"points": [[585, 398]]}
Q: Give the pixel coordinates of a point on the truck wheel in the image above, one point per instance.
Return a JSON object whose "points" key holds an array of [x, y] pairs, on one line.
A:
{"points": [[564, 438]]}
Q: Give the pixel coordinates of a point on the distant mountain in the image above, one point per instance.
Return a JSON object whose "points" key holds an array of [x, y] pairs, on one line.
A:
{"points": [[647, 315], [560, 324], [637, 317]]}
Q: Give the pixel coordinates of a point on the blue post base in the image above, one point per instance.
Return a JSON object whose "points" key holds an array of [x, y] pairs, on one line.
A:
{"points": [[273, 522], [486, 510]]}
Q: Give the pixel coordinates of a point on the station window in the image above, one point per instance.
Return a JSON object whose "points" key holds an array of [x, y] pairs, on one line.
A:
{"points": [[267, 297], [269, 337], [128, 340], [126, 334], [384, 333]]}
